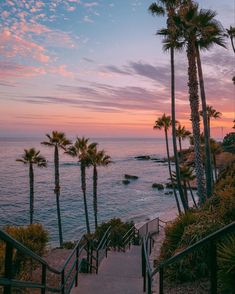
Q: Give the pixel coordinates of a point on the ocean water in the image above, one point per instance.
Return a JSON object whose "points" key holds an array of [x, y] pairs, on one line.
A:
{"points": [[137, 201]]}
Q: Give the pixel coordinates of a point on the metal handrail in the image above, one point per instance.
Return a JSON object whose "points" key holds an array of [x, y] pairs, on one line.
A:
{"points": [[8, 282], [211, 239], [103, 245]]}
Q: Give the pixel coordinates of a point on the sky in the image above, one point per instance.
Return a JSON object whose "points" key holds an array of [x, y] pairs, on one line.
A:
{"points": [[97, 69]]}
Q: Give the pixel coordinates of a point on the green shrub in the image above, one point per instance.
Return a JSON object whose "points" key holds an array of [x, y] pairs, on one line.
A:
{"points": [[226, 265], [174, 233], [118, 230], [34, 237], [186, 230], [229, 139]]}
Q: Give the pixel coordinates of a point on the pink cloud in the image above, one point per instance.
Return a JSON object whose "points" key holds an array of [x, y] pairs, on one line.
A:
{"points": [[12, 45], [61, 70]]}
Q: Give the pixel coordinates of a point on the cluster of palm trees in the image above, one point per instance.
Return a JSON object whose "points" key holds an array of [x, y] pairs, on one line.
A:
{"points": [[193, 29], [87, 155]]}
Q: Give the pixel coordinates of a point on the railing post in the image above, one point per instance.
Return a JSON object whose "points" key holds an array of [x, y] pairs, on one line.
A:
{"points": [[62, 282], [149, 284], [91, 256], [143, 266], [161, 280], [213, 267], [44, 278], [97, 261], [8, 266], [77, 263], [87, 256]]}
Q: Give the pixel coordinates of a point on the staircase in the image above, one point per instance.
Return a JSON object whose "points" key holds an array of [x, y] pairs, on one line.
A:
{"points": [[120, 273]]}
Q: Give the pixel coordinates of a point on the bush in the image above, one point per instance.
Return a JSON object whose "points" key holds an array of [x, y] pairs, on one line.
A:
{"points": [[229, 139], [226, 264], [186, 230], [118, 230], [34, 237]]}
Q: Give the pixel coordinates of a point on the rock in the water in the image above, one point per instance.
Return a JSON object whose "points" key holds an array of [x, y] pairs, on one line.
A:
{"points": [[126, 182], [168, 193], [158, 186], [143, 157], [130, 177], [169, 185]]}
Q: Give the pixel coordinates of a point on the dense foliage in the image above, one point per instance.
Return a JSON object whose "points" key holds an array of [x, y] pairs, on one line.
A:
{"points": [[189, 228], [34, 237], [118, 230]]}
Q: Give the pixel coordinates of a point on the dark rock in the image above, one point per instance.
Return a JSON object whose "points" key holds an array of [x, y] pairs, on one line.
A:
{"points": [[143, 157], [169, 185], [130, 177], [158, 186], [168, 193], [125, 182]]}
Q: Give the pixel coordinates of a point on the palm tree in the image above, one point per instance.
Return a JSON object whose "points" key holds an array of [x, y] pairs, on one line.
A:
{"points": [[164, 123], [234, 124], [81, 149], [208, 33], [186, 22], [97, 158], [211, 113], [182, 134], [32, 157], [160, 8], [57, 140]]}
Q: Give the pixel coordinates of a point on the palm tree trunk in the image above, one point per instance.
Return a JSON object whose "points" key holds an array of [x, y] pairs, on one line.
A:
{"points": [[31, 193], [215, 167], [194, 104], [208, 169], [191, 192], [57, 192], [185, 191], [180, 146], [95, 206], [83, 180], [170, 172], [177, 169]]}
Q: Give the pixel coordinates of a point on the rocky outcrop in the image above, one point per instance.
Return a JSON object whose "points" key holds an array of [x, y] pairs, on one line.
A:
{"points": [[158, 186], [130, 177]]}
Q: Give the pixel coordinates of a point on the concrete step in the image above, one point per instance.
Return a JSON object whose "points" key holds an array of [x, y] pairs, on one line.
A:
{"points": [[120, 273]]}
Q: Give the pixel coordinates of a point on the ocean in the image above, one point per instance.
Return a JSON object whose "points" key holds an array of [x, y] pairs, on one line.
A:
{"points": [[137, 201]]}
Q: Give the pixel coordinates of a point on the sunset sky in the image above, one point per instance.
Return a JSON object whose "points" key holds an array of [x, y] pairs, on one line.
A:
{"points": [[96, 68]]}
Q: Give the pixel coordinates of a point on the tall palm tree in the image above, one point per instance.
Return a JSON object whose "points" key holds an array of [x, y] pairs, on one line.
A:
{"points": [[186, 34], [80, 149], [97, 158], [209, 32], [169, 8], [182, 134], [57, 140], [32, 157], [164, 123], [211, 113]]}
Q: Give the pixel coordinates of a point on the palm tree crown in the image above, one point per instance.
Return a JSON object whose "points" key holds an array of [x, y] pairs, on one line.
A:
{"points": [[31, 156], [57, 139], [163, 122]]}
